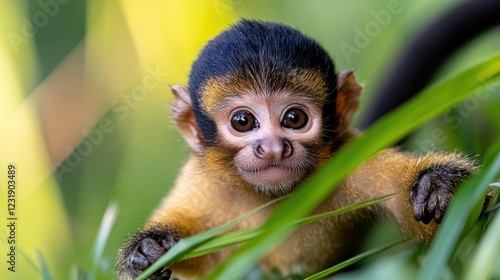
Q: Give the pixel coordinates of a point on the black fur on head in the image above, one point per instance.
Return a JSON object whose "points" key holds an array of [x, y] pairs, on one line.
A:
{"points": [[262, 51]]}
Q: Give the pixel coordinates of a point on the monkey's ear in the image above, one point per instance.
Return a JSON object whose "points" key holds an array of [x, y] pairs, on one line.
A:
{"points": [[348, 95], [183, 114]]}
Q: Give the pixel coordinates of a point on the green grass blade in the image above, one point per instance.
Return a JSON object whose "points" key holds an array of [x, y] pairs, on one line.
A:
{"points": [[101, 240], [232, 238], [349, 208], [30, 262], [353, 260], [382, 134], [223, 241], [44, 268], [466, 198], [184, 246], [486, 254]]}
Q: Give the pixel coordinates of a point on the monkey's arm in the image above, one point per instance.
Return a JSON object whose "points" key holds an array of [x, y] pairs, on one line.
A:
{"points": [[424, 186], [198, 202]]}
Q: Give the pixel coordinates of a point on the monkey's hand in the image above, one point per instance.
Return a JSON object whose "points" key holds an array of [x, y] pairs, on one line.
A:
{"points": [[142, 250], [433, 190]]}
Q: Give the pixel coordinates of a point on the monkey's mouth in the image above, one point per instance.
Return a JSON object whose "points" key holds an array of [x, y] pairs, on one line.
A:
{"points": [[273, 175]]}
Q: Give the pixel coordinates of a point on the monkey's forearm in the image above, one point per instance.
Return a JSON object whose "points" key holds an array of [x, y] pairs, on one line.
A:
{"points": [[424, 186]]}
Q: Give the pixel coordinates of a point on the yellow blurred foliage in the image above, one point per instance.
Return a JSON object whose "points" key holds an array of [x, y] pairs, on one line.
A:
{"points": [[41, 223], [123, 39], [171, 33]]}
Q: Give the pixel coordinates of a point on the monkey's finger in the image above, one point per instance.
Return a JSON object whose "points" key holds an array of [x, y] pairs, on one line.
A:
{"points": [[138, 261], [432, 207], [151, 249], [419, 195], [442, 204], [422, 188]]}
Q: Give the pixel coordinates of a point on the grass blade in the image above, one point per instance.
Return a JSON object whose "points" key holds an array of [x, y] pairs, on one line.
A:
{"points": [[384, 133], [103, 233], [486, 253], [44, 268], [223, 241], [349, 208]]}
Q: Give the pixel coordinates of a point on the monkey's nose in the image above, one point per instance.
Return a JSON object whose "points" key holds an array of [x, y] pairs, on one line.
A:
{"points": [[273, 149], [287, 148]]}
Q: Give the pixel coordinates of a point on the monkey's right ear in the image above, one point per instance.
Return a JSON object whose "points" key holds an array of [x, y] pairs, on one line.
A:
{"points": [[184, 117], [349, 91]]}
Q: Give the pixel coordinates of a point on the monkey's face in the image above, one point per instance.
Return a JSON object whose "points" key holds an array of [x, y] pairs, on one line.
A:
{"points": [[275, 138], [271, 139]]}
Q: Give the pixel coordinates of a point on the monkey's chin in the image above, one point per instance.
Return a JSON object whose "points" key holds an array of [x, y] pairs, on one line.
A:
{"points": [[274, 181]]}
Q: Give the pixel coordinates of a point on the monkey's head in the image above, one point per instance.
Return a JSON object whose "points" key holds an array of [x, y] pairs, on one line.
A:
{"points": [[265, 104]]}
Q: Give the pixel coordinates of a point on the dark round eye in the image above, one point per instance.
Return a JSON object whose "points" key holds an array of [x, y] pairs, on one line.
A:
{"points": [[294, 119], [243, 121]]}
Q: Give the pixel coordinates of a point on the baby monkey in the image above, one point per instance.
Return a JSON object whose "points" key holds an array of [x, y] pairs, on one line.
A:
{"points": [[265, 109]]}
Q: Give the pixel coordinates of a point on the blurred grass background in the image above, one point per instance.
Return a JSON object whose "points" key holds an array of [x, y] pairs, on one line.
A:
{"points": [[84, 103]]}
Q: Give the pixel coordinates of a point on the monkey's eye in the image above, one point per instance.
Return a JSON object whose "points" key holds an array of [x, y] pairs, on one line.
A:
{"points": [[294, 119], [244, 121]]}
